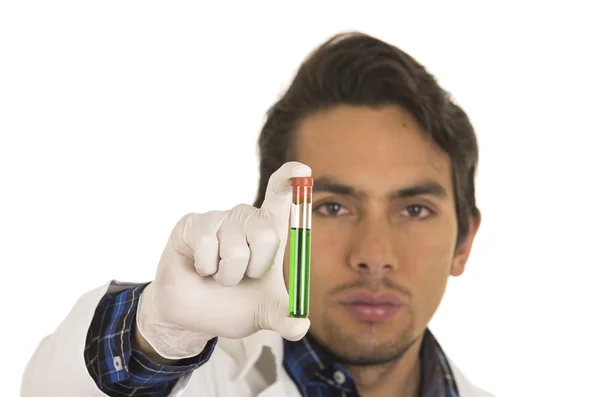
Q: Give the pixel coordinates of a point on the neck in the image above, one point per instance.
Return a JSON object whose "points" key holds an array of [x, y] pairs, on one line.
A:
{"points": [[396, 378]]}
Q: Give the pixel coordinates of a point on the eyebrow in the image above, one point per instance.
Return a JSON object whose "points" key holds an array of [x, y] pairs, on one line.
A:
{"points": [[423, 188]]}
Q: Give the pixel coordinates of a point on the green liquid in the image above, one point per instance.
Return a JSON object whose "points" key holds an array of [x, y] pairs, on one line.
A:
{"points": [[299, 280]]}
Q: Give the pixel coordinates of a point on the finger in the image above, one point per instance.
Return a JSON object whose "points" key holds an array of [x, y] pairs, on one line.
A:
{"points": [[233, 247], [264, 244], [278, 320], [206, 256], [278, 196], [194, 237]]}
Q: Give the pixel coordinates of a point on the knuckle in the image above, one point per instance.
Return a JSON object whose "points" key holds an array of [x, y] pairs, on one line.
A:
{"points": [[235, 251], [236, 219], [187, 218], [214, 214], [266, 236], [182, 228], [204, 241], [242, 207], [230, 272], [179, 235], [242, 212], [257, 270], [182, 225]]}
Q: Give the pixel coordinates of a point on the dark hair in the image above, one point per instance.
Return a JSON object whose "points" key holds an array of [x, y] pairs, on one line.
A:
{"points": [[357, 69]]}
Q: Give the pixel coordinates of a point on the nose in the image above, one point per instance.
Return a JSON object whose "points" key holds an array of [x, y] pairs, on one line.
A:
{"points": [[372, 251]]}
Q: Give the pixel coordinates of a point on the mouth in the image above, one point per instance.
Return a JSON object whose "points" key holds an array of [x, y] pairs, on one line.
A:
{"points": [[372, 307]]}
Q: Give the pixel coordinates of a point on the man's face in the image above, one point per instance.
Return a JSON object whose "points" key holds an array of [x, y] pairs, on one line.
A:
{"points": [[384, 230]]}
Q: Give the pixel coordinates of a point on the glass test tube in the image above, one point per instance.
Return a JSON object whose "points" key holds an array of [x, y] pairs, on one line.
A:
{"points": [[299, 266]]}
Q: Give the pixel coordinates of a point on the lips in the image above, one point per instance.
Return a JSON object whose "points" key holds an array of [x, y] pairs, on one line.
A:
{"points": [[372, 307], [371, 298]]}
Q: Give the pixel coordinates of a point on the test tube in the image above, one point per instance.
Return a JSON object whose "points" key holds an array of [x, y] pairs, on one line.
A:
{"points": [[299, 266]]}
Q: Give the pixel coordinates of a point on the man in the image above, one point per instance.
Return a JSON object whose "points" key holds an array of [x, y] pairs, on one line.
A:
{"points": [[393, 161]]}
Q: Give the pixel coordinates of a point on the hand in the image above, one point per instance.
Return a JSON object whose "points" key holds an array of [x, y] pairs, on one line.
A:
{"points": [[221, 274]]}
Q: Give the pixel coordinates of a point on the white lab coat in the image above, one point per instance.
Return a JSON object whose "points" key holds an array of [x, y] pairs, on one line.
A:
{"points": [[237, 368]]}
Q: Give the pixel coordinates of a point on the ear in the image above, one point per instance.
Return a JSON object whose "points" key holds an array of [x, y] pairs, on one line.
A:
{"points": [[461, 255]]}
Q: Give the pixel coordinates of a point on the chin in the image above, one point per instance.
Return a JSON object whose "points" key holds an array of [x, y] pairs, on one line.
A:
{"points": [[371, 333], [366, 346], [346, 336]]}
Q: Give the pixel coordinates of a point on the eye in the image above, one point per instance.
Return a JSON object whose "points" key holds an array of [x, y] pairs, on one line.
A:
{"points": [[417, 211], [331, 209]]}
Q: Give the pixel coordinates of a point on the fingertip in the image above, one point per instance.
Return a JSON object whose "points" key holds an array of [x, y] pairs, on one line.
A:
{"points": [[279, 188], [295, 328], [300, 170], [281, 183], [206, 261], [230, 272], [224, 281]]}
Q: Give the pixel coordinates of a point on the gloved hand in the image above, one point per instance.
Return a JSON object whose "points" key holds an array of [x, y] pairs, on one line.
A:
{"points": [[221, 274]]}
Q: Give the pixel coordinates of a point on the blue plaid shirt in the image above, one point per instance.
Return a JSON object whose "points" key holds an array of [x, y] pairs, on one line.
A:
{"points": [[120, 371]]}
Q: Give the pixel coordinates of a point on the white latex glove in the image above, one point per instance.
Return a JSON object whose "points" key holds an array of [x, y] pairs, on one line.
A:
{"points": [[221, 274]]}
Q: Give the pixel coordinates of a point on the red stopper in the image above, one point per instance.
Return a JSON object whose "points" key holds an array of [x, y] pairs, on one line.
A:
{"points": [[302, 181]]}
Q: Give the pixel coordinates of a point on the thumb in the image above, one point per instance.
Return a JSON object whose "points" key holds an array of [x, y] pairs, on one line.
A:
{"points": [[278, 196], [278, 320]]}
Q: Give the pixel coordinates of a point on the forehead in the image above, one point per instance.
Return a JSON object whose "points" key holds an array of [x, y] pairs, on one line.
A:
{"points": [[371, 147]]}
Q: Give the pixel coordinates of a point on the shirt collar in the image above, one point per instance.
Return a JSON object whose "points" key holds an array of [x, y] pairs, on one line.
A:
{"points": [[307, 363]]}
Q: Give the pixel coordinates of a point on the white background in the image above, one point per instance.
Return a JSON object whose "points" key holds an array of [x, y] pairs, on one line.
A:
{"points": [[116, 118]]}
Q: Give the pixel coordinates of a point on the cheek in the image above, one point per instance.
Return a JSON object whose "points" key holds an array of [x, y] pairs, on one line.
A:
{"points": [[432, 255], [428, 259], [320, 269], [430, 245], [328, 248], [326, 258], [327, 262]]}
